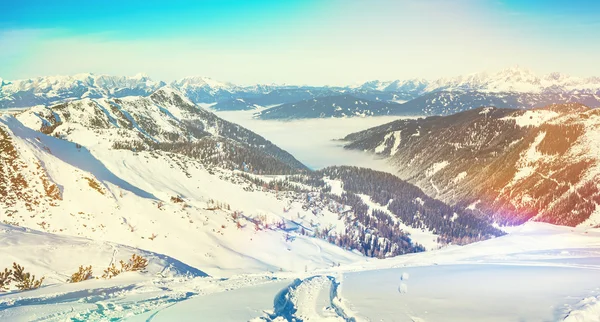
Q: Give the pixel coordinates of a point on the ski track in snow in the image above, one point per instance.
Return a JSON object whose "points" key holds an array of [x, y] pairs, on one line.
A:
{"points": [[314, 298]]}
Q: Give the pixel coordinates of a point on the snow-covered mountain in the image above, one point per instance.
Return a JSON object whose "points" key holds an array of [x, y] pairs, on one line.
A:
{"points": [[513, 87], [514, 165], [206, 90], [56, 89], [164, 120], [510, 80], [410, 86]]}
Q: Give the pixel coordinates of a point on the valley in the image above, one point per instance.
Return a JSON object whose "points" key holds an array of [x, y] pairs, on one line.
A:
{"points": [[315, 142]]}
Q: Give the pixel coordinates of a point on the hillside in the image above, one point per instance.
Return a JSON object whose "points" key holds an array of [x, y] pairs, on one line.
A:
{"points": [[331, 106], [513, 165], [276, 96], [63, 254], [447, 102]]}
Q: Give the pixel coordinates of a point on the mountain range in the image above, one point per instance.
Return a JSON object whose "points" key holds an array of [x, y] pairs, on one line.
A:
{"points": [[513, 87]]}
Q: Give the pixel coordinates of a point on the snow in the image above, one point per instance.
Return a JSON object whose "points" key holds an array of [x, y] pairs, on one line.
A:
{"points": [[459, 177], [486, 110], [464, 292], [243, 304], [61, 254], [420, 201], [512, 80], [196, 82], [336, 186], [587, 310], [397, 140], [473, 206], [54, 87], [395, 136], [537, 272], [593, 220], [311, 299], [526, 165], [454, 217], [532, 117], [436, 167]]}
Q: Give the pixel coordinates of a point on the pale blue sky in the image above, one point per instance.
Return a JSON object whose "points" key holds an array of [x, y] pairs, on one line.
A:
{"points": [[297, 41]]}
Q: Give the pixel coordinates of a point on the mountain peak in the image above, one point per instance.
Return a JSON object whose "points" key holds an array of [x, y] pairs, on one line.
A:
{"points": [[141, 76], [517, 69], [517, 72], [199, 81]]}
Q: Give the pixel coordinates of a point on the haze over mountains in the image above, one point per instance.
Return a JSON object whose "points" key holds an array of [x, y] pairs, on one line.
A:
{"points": [[511, 88]]}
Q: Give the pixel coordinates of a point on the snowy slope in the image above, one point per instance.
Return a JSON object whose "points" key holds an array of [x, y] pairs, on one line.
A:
{"points": [[56, 257], [538, 272]]}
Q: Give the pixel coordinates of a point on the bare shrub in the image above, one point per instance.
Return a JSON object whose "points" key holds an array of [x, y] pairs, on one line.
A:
{"points": [[111, 271], [94, 185], [25, 281], [83, 274], [135, 263], [5, 279], [176, 199]]}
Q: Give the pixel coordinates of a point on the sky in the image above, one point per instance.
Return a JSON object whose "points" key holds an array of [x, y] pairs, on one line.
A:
{"points": [[319, 42]]}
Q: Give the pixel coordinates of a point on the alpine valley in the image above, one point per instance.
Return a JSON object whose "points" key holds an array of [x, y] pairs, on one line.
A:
{"points": [[496, 170]]}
